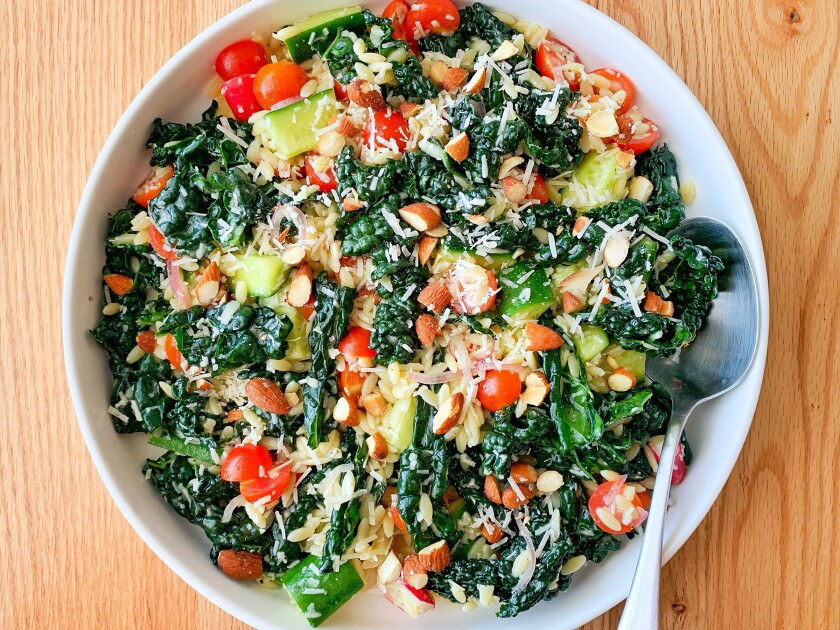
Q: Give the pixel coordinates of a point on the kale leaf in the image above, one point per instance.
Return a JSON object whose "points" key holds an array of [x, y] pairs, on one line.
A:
{"points": [[393, 336]]}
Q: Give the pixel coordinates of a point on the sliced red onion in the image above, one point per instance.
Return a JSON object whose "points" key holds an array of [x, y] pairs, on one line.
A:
{"points": [[176, 283], [285, 102], [436, 379], [525, 578], [495, 364]]}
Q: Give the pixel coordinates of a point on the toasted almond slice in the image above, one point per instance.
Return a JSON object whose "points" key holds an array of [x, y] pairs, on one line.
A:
{"points": [[640, 188], [427, 329], [514, 190], [492, 532], [459, 147], [389, 570], [541, 337], [435, 297], [453, 77], [579, 281], [491, 490], [267, 395], [616, 250], [571, 303], [523, 473], [346, 412], [375, 405], [506, 50], [293, 255], [377, 446], [365, 94], [438, 71], [476, 82], [351, 204], [240, 565], [621, 380], [448, 414], [580, 225], [478, 219], [421, 216], [425, 248], [536, 389], [208, 285], [435, 557], [653, 303], [550, 481], [509, 164], [409, 109], [300, 290], [414, 572]]}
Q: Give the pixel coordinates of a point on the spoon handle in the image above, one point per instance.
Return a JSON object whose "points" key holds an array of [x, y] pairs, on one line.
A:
{"points": [[641, 611]]}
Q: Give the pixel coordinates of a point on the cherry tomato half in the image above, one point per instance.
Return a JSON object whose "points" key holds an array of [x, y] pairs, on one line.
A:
{"points": [[246, 461], [239, 94], [242, 57], [387, 129], [324, 180], [350, 383], [397, 12], [621, 503], [339, 91], [432, 16], [173, 354], [155, 182], [473, 288], [307, 309], [158, 242], [539, 191], [278, 81], [551, 56], [272, 486], [618, 81], [356, 344], [499, 389], [628, 139]]}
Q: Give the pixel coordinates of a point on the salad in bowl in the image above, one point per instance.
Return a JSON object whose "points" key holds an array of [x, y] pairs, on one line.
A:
{"points": [[386, 309]]}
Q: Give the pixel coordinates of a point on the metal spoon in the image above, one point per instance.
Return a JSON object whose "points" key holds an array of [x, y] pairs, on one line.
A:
{"points": [[712, 365]]}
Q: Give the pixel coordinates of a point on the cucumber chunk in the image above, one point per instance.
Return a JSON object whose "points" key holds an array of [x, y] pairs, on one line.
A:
{"points": [[590, 340], [526, 293], [338, 587], [632, 361], [398, 424], [600, 174], [291, 130], [452, 252], [263, 275], [316, 33]]}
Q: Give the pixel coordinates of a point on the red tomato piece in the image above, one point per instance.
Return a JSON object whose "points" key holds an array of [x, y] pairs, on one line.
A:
{"points": [[397, 12], [242, 57], [356, 344], [271, 486], [499, 389], [350, 383], [324, 180], [277, 82], [387, 129], [628, 139], [307, 309], [155, 182], [246, 461], [539, 191], [618, 81], [173, 354], [239, 94], [616, 504], [473, 288], [339, 91], [146, 341], [158, 242], [551, 56], [432, 16]]}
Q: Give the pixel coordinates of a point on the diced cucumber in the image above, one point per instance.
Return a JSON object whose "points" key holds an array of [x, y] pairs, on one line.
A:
{"points": [[526, 293], [263, 275], [561, 272], [316, 33], [397, 424], [632, 361], [602, 176], [332, 590], [291, 130], [452, 253], [178, 445], [590, 340]]}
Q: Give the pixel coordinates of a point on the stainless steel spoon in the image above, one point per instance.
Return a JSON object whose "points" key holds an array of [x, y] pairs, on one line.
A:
{"points": [[712, 365]]}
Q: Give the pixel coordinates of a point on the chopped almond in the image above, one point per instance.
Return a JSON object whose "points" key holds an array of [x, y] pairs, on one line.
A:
{"points": [[240, 565], [491, 490], [375, 405], [453, 77], [365, 95], [476, 83], [478, 219], [377, 446], [459, 147], [523, 473], [653, 303], [118, 283], [300, 290], [506, 50], [395, 515], [293, 255], [421, 216], [510, 498], [438, 71], [345, 126], [409, 109], [435, 297], [267, 395], [448, 414], [346, 412], [414, 572], [536, 389], [330, 144], [621, 380], [351, 204], [514, 190], [616, 250], [435, 557], [667, 309], [541, 338], [427, 329], [492, 532], [580, 225], [425, 248], [208, 285], [571, 303]]}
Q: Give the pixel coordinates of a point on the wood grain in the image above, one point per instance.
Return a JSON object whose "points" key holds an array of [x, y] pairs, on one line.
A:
{"points": [[767, 72]]}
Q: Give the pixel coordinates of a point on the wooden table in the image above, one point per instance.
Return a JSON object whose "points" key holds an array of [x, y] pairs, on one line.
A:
{"points": [[768, 72]]}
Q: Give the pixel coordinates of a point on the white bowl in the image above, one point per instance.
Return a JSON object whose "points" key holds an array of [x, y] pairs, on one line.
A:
{"points": [[176, 92]]}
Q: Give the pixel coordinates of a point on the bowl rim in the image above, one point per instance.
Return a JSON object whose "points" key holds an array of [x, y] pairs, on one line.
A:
{"points": [[132, 512]]}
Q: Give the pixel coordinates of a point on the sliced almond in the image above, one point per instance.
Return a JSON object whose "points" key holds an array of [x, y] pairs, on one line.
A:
{"points": [[375, 405], [345, 126], [640, 188], [571, 303], [300, 290], [579, 281], [621, 380], [448, 414], [523, 473], [438, 71], [365, 94], [421, 216], [580, 225], [293, 255], [377, 446], [409, 109], [453, 77], [435, 297], [550, 481], [616, 250], [476, 82], [492, 532], [240, 565], [478, 219], [414, 573], [346, 412], [330, 144], [602, 124], [491, 490], [267, 395], [541, 338], [506, 50], [509, 164], [427, 329], [536, 389], [435, 557], [208, 285], [513, 189], [459, 147], [511, 499], [389, 570], [425, 248], [351, 204]]}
